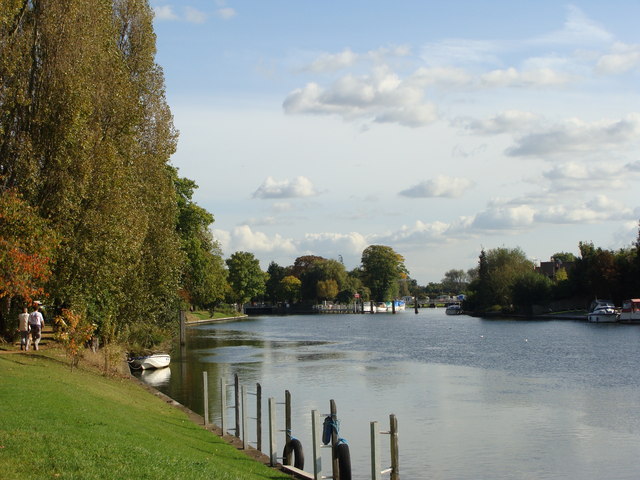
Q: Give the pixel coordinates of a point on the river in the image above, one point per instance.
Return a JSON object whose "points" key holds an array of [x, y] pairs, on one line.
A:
{"points": [[474, 398]]}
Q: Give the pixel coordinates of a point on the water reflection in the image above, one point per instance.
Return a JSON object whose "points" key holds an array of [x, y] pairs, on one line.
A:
{"points": [[474, 398]]}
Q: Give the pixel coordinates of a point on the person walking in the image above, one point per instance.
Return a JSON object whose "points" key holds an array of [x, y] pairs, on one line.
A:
{"points": [[36, 323], [23, 327]]}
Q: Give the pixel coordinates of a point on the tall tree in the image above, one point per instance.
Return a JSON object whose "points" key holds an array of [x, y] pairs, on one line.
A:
{"points": [[382, 267], [246, 279]]}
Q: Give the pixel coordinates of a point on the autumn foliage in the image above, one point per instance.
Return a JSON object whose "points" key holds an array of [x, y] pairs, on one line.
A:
{"points": [[74, 331], [26, 248]]}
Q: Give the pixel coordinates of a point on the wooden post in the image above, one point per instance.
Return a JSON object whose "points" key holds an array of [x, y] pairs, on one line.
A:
{"points": [[205, 391], [273, 455], [287, 414], [259, 416], [371, 306], [335, 467], [245, 433], [393, 306], [223, 406], [183, 327], [375, 452], [316, 433], [415, 304], [393, 432], [237, 399]]}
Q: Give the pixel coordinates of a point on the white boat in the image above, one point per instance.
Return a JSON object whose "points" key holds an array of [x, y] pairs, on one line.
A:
{"points": [[602, 311], [388, 307], [630, 312], [157, 360], [454, 309]]}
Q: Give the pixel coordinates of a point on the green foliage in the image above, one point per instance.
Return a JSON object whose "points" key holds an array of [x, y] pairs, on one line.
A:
{"points": [[246, 279], [382, 267], [86, 136], [73, 332], [27, 245], [498, 270], [327, 289], [531, 288], [289, 288]]}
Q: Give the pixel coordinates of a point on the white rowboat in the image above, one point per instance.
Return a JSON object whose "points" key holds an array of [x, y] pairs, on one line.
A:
{"points": [[157, 360]]}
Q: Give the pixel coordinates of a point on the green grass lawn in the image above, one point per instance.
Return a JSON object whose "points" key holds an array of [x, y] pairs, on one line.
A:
{"points": [[55, 423], [205, 315]]}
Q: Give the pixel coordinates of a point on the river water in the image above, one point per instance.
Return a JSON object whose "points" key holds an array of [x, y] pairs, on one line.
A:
{"points": [[474, 398]]}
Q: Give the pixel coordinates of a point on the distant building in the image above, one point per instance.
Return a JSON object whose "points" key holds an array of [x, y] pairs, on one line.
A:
{"points": [[551, 268]]}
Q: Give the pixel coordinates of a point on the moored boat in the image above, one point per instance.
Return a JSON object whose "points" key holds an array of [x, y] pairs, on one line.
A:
{"points": [[602, 311], [157, 360], [454, 309], [630, 312]]}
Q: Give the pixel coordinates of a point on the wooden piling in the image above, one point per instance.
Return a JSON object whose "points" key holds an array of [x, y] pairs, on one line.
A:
{"points": [[223, 406], [205, 391], [259, 416], [395, 461], [237, 400]]}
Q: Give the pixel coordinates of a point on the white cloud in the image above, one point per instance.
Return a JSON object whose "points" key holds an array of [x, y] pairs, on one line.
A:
{"points": [[333, 244], [505, 122], [226, 13], [440, 186], [577, 136], [164, 12], [441, 76], [243, 238], [299, 187], [381, 96], [193, 15], [599, 209], [580, 177], [504, 218], [622, 58], [510, 77], [331, 62]]}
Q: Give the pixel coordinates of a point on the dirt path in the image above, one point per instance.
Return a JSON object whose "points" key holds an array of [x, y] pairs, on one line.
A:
{"points": [[14, 347]]}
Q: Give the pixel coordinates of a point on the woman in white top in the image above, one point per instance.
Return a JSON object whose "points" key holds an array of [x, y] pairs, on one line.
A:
{"points": [[23, 327]]}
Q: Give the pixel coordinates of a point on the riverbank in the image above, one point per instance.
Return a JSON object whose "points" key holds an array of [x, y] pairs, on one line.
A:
{"points": [[55, 423]]}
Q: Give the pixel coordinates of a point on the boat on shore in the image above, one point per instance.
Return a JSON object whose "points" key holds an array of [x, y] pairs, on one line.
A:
{"points": [[602, 311], [148, 362], [630, 312]]}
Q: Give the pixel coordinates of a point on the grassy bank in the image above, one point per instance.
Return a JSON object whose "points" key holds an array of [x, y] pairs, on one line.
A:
{"points": [[55, 423]]}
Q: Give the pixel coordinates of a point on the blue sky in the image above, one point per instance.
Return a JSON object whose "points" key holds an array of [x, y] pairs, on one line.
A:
{"points": [[437, 128]]}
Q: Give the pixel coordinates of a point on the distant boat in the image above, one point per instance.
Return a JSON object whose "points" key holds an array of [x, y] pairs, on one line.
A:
{"points": [[387, 307], [157, 360], [454, 309], [602, 311], [630, 312]]}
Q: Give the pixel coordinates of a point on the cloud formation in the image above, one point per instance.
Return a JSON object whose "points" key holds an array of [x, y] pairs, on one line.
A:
{"points": [[440, 186], [577, 136], [299, 187], [381, 96]]}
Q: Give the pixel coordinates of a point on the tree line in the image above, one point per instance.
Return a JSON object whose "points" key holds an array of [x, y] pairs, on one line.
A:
{"points": [[93, 217], [506, 281]]}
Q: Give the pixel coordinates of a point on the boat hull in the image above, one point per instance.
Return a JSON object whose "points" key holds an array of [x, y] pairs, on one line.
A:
{"points": [[602, 317], [150, 362]]}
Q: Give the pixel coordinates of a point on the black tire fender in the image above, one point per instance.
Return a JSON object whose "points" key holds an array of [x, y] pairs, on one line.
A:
{"points": [[344, 460], [294, 448]]}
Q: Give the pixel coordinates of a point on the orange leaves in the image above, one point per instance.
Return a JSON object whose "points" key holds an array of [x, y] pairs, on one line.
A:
{"points": [[26, 246], [74, 332]]}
